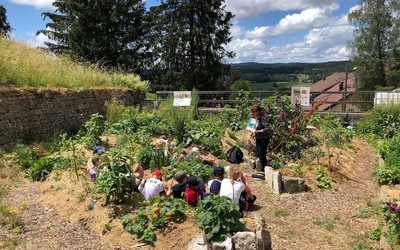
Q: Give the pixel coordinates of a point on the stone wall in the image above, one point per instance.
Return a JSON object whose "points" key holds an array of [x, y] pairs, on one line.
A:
{"points": [[41, 113]]}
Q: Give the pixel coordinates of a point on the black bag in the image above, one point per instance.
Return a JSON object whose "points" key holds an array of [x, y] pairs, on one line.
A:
{"points": [[234, 155]]}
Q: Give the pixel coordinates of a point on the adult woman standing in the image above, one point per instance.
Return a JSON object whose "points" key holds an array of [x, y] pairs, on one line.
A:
{"points": [[261, 133]]}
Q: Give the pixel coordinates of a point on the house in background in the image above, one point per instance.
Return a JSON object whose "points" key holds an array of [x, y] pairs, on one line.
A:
{"points": [[334, 83]]}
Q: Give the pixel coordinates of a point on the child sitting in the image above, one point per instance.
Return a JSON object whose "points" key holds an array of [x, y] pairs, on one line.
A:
{"points": [[192, 193], [178, 189], [154, 186], [214, 190], [218, 176]]}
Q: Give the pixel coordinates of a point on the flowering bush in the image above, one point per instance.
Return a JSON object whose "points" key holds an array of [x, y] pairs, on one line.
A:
{"points": [[285, 118], [392, 222]]}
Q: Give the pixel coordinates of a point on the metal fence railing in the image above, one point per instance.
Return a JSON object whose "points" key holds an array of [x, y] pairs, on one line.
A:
{"points": [[339, 101]]}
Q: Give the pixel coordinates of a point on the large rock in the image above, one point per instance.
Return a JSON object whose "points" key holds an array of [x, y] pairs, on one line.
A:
{"points": [[293, 185], [225, 245], [198, 243], [244, 240]]}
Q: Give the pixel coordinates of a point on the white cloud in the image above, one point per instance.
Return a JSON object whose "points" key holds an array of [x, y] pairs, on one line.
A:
{"points": [[249, 9], [38, 4], [306, 19], [319, 45]]}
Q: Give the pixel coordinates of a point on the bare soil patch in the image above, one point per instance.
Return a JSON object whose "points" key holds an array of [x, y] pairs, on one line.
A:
{"points": [[57, 216]]}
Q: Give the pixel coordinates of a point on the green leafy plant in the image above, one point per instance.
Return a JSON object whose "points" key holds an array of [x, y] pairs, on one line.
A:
{"points": [[160, 158], [148, 236], [40, 169], [392, 223], [92, 129], [114, 176], [375, 233], [162, 210], [144, 156], [323, 181], [220, 219]]}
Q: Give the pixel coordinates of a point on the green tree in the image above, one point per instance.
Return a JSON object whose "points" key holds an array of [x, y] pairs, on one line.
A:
{"points": [[375, 49], [107, 32], [4, 25], [187, 39], [242, 84]]}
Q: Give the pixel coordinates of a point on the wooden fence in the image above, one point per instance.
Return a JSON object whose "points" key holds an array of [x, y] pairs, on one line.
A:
{"points": [[359, 101]]}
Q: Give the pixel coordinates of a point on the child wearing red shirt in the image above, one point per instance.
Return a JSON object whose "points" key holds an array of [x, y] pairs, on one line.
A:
{"points": [[192, 193]]}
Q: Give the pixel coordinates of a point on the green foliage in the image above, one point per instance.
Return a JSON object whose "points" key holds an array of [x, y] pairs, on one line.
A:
{"points": [[381, 121], [242, 84], [376, 20], [39, 170], [323, 181], [144, 156], [282, 115], [4, 25], [127, 123], [114, 110], [375, 233], [160, 158], [201, 44], [137, 224], [92, 129], [392, 223], [245, 100], [114, 176], [227, 116], [214, 146], [220, 219], [207, 134], [178, 117], [24, 155], [115, 26], [194, 167], [387, 175], [162, 210]]}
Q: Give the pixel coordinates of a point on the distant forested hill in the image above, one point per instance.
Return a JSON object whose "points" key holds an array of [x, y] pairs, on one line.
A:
{"points": [[287, 72]]}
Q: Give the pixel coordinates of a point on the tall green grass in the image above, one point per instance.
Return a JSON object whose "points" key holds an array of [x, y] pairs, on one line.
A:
{"points": [[23, 66]]}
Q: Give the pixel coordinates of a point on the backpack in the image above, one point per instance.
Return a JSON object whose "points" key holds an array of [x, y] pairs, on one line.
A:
{"points": [[234, 155]]}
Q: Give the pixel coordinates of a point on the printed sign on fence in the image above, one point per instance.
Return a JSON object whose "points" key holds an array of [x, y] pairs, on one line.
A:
{"points": [[182, 98], [301, 95]]}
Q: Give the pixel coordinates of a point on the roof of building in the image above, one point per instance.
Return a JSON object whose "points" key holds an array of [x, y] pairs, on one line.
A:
{"points": [[335, 82]]}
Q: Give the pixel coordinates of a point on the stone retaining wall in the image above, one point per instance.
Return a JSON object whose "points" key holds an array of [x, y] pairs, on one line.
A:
{"points": [[40, 113]]}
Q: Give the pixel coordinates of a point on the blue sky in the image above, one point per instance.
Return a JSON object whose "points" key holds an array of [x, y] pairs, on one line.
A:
{"points": [[264, 31]]}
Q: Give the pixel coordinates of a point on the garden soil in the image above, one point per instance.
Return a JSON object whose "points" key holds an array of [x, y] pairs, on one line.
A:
{"points": [[57, 216]]}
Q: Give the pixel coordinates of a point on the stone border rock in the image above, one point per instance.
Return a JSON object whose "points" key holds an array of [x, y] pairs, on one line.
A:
{"points": [[241, 240], [277, 183]]}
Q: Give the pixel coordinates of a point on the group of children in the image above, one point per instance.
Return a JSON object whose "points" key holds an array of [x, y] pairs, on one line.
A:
{"points": [[189, 188], [193, 189]]}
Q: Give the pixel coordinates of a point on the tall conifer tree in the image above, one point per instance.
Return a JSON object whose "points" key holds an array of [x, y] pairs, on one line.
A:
{"points": [[4, 25], [187, 39], [108, 32]]}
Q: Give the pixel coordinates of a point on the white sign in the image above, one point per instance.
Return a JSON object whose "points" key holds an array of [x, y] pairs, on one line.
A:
{"points": [[301, 95], [182, 98]]}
